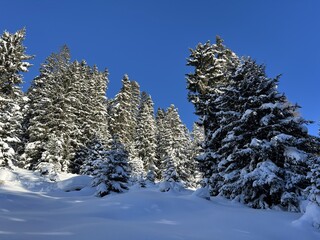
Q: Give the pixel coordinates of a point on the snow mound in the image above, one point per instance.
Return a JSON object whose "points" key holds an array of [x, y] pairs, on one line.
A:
{"points": [[75, 183], [311, 216], [202, 193], [7, 176]]}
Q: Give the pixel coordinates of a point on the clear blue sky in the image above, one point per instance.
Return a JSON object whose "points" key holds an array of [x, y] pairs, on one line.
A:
{"points": [[149, 40]]}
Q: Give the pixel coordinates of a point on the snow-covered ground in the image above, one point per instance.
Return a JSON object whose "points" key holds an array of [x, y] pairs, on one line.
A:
{"points": [[32, 207]]}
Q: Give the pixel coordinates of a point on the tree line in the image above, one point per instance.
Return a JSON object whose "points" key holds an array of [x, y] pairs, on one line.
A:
{"points": [[65, 123], [250, 143]]}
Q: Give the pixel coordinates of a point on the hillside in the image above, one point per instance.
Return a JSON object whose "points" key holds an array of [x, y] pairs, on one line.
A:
{"points": [[33, 207]]}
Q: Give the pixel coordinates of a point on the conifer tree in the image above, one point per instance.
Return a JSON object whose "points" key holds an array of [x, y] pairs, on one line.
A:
{"points": [[135, 105], [170, 178], [181, 144], [197, 136], [13, 61], [136, 165], [261, 147], [256, 146], [121, 118], [176, 162], [109, 169], [45, 111], [314, 174], [67, 103], [91, 152], [145, 142], [315, 182], [160, 140], [214, 64]]}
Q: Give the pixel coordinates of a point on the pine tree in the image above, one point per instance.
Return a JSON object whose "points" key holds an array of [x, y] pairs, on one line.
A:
{"points": [[160, 140], [136, 165], [176, 162], [145, 142], [45, 104], [12, 62], [314, 174], [314, 189], [121, 118], [261, 147], [169, 175], [88, 154], [214, 64], [135, 105], [67, 103], [110, 170], [197, 136]]}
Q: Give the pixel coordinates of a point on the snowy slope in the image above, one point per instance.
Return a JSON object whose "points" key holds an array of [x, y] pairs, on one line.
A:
{"points": [[32, 207]]}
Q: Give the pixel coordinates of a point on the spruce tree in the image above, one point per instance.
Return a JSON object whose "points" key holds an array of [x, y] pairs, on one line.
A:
{"points": [[110, 169], [45, 113], [67, 103], [214, 64], [256, 146], [145, 141], [314, 176], [136, 164], [197, 136], [121, 118], [176, 161], [160, 140], [170, 178], [261, 147], [135, 106], [88, 154], [13, 61]]}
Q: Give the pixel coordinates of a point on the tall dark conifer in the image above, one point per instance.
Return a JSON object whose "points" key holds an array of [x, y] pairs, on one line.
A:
{"points": [[13, 61]]}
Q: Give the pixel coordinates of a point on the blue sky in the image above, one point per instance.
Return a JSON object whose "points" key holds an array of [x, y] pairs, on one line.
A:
{"points": [[149, 40]]}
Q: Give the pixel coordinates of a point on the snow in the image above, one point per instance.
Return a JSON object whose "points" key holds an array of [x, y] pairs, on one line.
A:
{"points": [[33, 208], [311, 216], [271, 105], [294, 153]]}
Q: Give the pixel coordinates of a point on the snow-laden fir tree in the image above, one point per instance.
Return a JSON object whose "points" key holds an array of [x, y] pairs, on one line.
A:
{"points": [[315, 182], [121, 114], [261, 148], [145, 141], [197, 136], [89, 107], [312, 213], [170, 178], [45, 113], [135, 105], [176, 160], [109, 168], [137, 171], [160, 140], [89, 153], [182, 145], [67, 102], [214, 64], [13, 61]]}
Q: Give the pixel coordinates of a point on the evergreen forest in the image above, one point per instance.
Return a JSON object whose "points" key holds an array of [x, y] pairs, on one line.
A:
{"points": [[250, 143]]}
